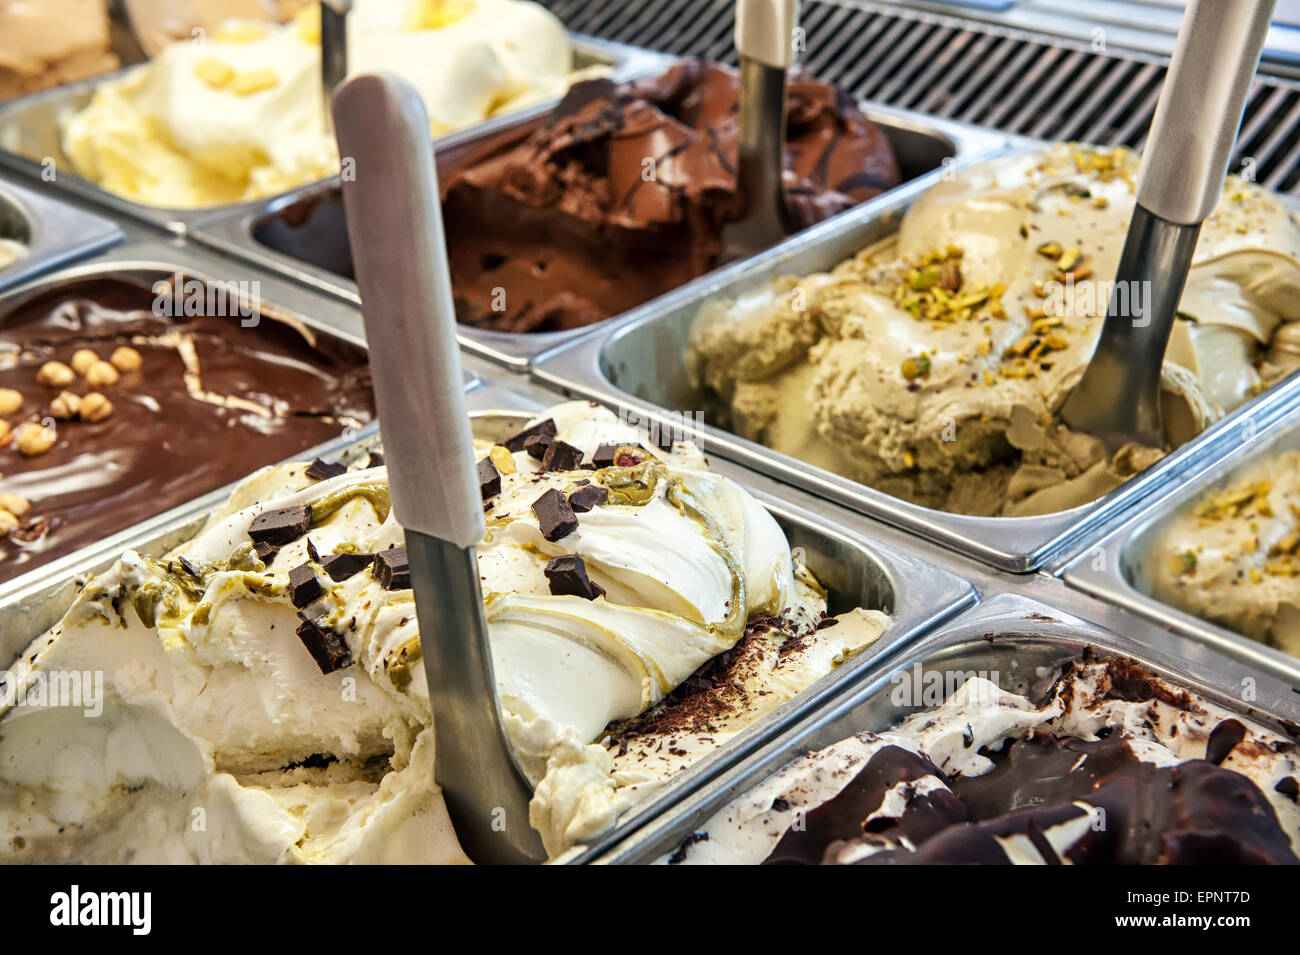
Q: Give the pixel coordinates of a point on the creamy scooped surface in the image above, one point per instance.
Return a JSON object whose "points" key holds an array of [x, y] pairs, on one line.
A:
{"points": [[268, 672], [1114, 766], [933, 365], [239, 115], [1234, 556]]}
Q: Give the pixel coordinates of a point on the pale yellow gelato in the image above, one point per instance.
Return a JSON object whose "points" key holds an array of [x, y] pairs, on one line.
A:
{"points": [[237, 113], [932, 365]]}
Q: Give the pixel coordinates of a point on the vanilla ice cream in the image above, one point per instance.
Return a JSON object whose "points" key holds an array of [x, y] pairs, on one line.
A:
{"points": [[932, 366], [268, 672], [237, 113]]}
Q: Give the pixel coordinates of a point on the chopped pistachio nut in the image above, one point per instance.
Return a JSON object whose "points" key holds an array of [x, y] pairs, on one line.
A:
{"points": [[933, 290], [918, 367]]}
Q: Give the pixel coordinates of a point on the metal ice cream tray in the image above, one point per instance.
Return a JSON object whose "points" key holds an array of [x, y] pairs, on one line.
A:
{"points": [[26, 596], [1009, 639], [855, 570], [31, 132], [1114, 568], [54, 233], [638, 364], [303, 234]]}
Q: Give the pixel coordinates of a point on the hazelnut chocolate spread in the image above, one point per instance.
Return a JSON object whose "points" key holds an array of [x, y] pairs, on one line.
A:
{"points": [[185, 405], [620, 194]]}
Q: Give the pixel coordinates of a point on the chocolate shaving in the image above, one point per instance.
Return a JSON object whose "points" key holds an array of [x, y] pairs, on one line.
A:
{"points": [[321, 470], [375, 460], [554, 515], [190, 569], [280, 527]]}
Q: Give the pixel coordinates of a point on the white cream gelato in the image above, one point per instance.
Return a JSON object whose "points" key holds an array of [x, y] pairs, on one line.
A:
{"points": [[237, 114], [212, 701]]}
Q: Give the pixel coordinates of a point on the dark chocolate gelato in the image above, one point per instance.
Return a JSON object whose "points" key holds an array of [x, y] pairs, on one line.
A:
{"points": [[620, 194], [111, 414]]}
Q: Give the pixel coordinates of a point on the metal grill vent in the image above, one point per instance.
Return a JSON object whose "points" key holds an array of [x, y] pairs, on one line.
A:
{"points": [[1011, 80]]}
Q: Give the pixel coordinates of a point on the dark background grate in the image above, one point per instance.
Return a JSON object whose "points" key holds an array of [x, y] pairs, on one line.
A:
{"points": [[1015, 81]]}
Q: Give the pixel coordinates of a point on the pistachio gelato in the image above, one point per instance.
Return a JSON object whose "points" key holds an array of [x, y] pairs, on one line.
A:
{"points": [[265, 677], [1233, 557], [933, 365]]}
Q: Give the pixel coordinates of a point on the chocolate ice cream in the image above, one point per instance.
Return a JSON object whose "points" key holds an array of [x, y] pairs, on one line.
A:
{"points": [[111, 414]]}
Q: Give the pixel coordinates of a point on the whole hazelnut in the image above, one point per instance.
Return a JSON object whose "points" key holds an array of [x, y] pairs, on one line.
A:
{"points": [[10, 401], [125, 359], [15, 504], [101, 375], [56, 374], [35, 439], [8, 522], [82, 359], [64, 407], [95, 407]]}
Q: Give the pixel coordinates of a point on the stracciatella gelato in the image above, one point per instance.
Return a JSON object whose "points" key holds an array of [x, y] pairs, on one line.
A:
{"points": [[238, 114], [1233, 557], [1113, 767], [268, 672], [933, 365]]}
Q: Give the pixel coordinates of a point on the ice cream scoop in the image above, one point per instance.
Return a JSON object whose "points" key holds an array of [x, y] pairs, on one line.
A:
{"points": [[763, 40], [395, 227], [1186, 157]]}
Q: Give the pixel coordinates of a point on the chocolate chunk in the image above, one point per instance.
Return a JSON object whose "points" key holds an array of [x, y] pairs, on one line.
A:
{"points": [[375, 460], [312, 552], [661, 435], [280, 527], [585, 498], [489, 479], [190, 569], [1223, 738], [1289, 787], [554, 515], [568, 576], [343, 566], [516, 443], [320, 470], [561, 456], [303, 586], [327, 648], [537, 444], [604, 456], [265, 552], [392, 569]]}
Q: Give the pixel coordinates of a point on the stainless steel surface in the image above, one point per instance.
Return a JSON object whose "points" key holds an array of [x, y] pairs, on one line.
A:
{"points": [[333, 51], [1199, 111], [395, 222], [1118, 397], [303, 234], [159, 260], [1113, 569], [31, 137], [1025, 635], [54, 232], [764, 42], [845, 553], [637, 365], [1014, 77]]}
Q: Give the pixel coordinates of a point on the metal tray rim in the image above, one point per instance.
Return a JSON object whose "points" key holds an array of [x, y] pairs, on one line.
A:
{"points": [[60, 233]]}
